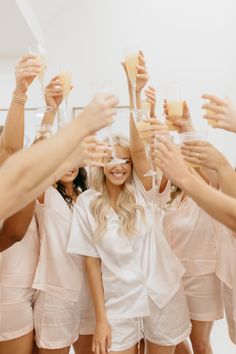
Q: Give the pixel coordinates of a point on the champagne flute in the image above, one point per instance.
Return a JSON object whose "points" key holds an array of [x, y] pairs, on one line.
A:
{"points": [[174, 103], [65, 78], [131, 62], [40, 52], [100, 88]]}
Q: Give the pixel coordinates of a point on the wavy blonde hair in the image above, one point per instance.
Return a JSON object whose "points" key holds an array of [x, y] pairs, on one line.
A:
{"points": [[126, 207]]}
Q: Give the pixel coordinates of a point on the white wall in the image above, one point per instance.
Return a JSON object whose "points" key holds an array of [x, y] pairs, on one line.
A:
{"points": [[189, 41]]}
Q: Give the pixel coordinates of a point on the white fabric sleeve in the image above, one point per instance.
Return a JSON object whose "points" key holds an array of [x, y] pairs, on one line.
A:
{"points": [[81, 236]]}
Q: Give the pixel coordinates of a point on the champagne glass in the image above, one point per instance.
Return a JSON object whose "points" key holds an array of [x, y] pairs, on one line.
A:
{"points": [[131, 62], [166, 135], [65, 78], [40, 52], [100, 88], [143, 127], [193, 136], [174, 103]]}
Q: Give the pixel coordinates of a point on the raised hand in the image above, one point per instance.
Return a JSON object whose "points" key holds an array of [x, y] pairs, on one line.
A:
{"points": [[54, 93], [204, 154], [150, 94], [168, 158], [142, 74], [95, 151], [141, 77], [182, 124], [26, 70], [100, 112], [223, 112]]}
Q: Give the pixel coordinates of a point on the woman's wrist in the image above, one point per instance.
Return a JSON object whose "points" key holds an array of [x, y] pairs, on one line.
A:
{"points": [[19, 97]]}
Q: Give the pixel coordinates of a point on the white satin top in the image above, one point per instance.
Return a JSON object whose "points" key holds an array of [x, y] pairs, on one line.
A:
{"points": [[133, 269]]}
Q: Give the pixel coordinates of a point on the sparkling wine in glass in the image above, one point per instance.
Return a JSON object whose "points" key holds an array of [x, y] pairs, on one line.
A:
{"points": [[174, 103]]}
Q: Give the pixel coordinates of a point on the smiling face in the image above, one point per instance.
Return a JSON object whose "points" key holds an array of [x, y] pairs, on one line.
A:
{"points": [[69, 176], [118, 174]]}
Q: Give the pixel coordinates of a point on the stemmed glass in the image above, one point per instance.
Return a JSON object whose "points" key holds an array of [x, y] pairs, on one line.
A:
{"points": [[131, 62], [40, 52], [143, 126], [174, 102], [65, 78], [106, 88]]}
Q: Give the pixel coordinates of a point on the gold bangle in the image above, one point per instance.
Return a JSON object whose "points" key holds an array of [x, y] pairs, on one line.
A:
{"points": [[19, 99]]}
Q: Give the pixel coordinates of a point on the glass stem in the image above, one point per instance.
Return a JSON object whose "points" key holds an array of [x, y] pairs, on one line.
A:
{"points": [[111, 141], [42, 93]]}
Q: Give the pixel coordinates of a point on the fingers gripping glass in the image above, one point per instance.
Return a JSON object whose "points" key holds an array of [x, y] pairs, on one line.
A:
{"points": [[106, 88], [143, 126]]}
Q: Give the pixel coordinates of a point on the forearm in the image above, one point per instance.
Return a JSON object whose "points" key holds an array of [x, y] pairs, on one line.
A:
{"points": [[227, 181], [32, 166], [49, 117], [93, 267], [214, 202], [12, 137], [15, 227]]}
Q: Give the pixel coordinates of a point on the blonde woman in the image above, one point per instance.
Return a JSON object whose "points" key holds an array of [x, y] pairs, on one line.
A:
{"points": [[133, 275]]}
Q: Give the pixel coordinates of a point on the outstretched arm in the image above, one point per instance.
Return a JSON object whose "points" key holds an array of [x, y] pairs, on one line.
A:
{"points": [[26, 174], [214, 202]]}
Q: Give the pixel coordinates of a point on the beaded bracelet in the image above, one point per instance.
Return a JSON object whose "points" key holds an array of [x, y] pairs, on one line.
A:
{"points": [[19, 99]]}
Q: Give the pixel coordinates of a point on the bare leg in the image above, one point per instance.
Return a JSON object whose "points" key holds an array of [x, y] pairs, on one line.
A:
{"points": [[183, 348], [159, 349], [200, 337], [35, 349], [83, 345], [21, 345], [141, 347], [54, 351]]}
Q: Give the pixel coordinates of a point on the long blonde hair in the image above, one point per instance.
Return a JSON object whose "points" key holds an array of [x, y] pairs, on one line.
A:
{"points": [[126, 207]]}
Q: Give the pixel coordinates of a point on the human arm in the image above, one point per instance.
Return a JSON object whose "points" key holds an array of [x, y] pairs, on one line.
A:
{"points": [[223, 112], [182, 124], [150, 94], [12, 137], [102, 335], [26, 174], [53, 98], [137, 147], [208, 157], [15, 227], [214, 202]]}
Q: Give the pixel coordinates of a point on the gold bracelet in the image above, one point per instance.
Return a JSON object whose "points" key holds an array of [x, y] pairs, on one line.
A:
{"points": [[19, 99]]}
